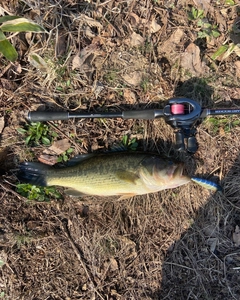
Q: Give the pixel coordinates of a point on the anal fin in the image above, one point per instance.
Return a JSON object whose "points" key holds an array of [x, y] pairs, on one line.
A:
{"points": [[126, 196]]}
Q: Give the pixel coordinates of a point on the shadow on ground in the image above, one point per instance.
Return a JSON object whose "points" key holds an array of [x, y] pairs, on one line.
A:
{"points": [[204, 262]]}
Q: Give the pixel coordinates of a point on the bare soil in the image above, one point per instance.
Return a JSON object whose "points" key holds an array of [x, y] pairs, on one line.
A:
{"points": [[112, 55]]}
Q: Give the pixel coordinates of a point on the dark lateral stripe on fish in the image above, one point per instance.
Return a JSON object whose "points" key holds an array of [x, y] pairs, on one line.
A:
{"points": [[33, 172], [210, 185]]}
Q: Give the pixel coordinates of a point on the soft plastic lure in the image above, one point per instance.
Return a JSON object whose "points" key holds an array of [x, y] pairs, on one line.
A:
{"points": [[210, 185]]}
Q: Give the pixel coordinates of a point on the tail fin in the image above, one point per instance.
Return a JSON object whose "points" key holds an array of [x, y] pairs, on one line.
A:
{"points": [[33, 172], [210, 185]]}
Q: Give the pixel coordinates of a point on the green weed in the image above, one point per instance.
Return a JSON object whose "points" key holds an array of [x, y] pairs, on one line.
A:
{"points": [[205, 29], [145, 85], [109, 246], [130, 144], [37, 133], [111, 76], [37, 193], [226, 124], [65, 155], [14, 24], [195, 14]]}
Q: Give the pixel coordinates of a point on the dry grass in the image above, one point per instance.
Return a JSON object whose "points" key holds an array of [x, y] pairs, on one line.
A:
{"points": [[178, 244]]}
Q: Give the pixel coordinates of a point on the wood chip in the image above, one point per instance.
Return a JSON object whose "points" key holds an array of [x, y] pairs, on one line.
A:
{"points": [[60, 146]]}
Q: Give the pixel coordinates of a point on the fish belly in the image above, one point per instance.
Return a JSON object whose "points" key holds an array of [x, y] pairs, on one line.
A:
{"points": [[100, 185]]}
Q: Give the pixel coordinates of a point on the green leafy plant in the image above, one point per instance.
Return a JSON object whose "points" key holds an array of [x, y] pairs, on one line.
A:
{"points": [[205, 29], [37, 193], [130, 144], [65, 155], [145, 84], [37, 133], [195, 14], [14, 24]]}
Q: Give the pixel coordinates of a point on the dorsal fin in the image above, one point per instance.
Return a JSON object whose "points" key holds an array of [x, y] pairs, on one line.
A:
{"points": [[79, 158], [117, 148]]}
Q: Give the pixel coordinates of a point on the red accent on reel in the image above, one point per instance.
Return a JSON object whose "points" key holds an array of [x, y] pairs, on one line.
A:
{"points": [[177, 109]]}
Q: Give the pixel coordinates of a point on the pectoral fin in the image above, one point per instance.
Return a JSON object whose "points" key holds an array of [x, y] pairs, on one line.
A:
{"points": [[127, 176]]}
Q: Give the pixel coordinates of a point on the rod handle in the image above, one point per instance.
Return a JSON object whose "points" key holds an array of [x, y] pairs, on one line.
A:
{"points": [[147, 114], [40, 116]]}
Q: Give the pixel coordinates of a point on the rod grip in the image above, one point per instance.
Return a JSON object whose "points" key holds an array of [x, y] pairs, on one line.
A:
{"points": [[147, 114], [40, 116]]}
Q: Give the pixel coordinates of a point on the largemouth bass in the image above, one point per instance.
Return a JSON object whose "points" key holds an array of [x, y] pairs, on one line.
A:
{"points": [[121, 174]]}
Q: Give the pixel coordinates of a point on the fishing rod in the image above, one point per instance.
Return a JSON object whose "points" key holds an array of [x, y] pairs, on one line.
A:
{"points": [[182, 114]]}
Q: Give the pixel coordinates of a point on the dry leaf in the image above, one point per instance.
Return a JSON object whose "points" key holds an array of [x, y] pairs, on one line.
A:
{"points": [[91, 22], [18, 68], [210, 230], [237, 65], [113, 264], [2, 13], [2, 123], [212, 242], [80, 58], [28, 37], [191, 61], [237, 50], [134, 19], [61, 44], [221, 132], [170, 44], [136, 39], [60, 146], [97, 89], [88, 32], [236, 236], [134, 78], [203, 4], [38, 62], [48, 159], [129, 96], [154, 26]]}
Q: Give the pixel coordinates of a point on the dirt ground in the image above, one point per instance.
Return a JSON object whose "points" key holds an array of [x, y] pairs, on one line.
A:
{"points": [[111, 55]]}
